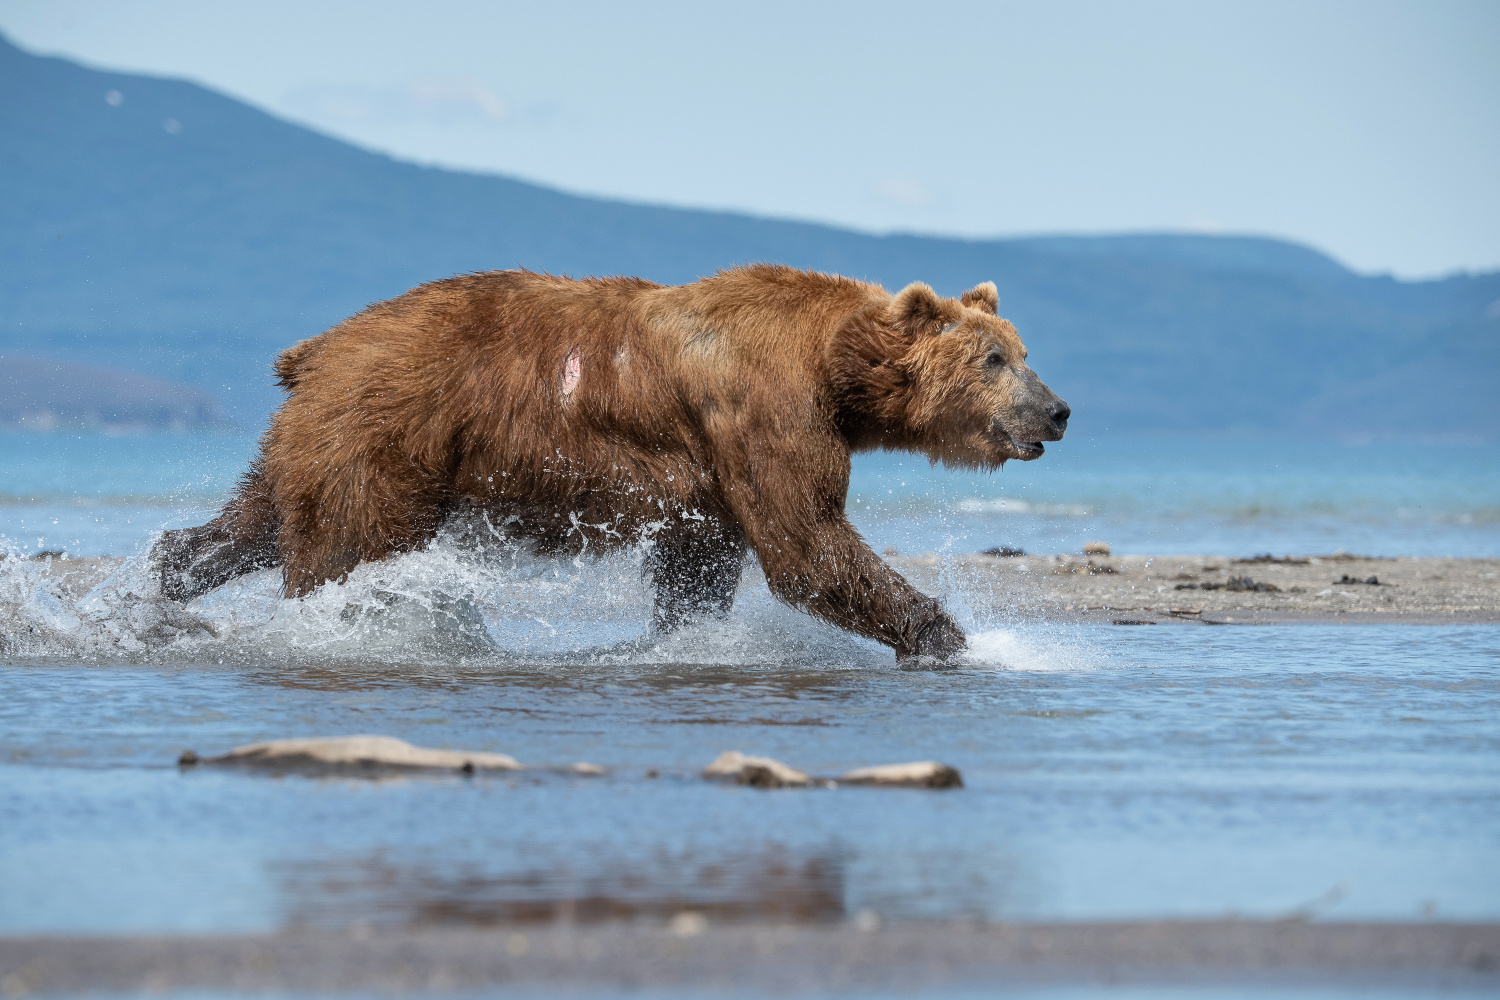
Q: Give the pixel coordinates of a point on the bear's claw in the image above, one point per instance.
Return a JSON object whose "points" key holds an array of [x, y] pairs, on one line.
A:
{"points": [[938, 639]]}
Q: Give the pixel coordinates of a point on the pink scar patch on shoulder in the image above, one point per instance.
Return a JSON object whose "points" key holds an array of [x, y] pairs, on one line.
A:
{"points": [[572, 369]]}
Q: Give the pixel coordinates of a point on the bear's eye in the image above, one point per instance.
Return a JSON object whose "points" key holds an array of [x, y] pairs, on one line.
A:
{"points": [[994, 359]]}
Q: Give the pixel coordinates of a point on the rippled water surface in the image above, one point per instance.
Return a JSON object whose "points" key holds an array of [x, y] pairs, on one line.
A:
{"points": [[1330, 771], [1310, 771]]}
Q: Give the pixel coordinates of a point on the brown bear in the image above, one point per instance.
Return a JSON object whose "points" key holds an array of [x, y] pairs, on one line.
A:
{"points": [[589, 415]]}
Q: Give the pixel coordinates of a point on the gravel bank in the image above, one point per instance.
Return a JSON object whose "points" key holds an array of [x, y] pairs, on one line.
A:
{"points": [[1221, 590], [1189, 589]]}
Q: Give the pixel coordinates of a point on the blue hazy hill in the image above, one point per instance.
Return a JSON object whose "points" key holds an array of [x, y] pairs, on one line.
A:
{"points": [[178, 233]]}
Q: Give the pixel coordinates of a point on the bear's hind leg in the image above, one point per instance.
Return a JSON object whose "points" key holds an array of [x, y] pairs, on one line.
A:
{"points": [[362, 513], [242, 539], [695, 571]]}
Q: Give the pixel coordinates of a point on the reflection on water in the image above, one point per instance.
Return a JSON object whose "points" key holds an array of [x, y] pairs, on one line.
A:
{"points": [[769, 883]]}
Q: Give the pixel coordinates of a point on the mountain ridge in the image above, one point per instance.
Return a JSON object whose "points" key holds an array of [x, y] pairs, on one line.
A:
{"points": [[185, 235]]}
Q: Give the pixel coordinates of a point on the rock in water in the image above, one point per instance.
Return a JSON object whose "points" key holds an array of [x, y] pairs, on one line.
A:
{"points": [[917, 774], [586, 769], [361, 752], [758, 772]]}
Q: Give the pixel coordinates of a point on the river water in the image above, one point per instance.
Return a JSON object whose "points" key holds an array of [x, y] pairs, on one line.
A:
{"points": [[1327, 772]]}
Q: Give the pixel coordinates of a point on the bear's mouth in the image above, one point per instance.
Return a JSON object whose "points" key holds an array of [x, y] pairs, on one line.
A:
{"points": [[1025, 450]]}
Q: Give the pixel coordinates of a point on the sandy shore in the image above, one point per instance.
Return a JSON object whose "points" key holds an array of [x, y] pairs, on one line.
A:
{"points": [[1217, 590], [1191, 589], [770, 958]]}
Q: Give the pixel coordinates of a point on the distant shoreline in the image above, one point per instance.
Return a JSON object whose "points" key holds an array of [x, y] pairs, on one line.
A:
{"points": [[46, 394]]}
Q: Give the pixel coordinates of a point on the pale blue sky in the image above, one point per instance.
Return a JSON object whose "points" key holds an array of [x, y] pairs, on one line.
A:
{"points": [[1368, 129]]}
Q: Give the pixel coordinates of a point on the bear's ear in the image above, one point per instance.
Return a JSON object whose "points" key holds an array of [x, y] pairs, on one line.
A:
{"points": [[917, 309], [983, 296]]}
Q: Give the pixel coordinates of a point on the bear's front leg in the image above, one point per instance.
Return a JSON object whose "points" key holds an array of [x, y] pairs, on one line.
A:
{"points": [[830, 572], [785, 481]]}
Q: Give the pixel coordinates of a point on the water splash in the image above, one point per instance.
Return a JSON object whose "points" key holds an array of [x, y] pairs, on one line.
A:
{"points": [[471, 598], [1034, 649], [459, 601]]}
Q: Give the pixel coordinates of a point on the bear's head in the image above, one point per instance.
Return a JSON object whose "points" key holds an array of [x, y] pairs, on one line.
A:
{"points": [[948, 378]]}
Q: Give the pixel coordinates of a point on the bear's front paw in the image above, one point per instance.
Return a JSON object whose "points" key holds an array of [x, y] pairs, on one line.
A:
{"points": [[937, 640]]}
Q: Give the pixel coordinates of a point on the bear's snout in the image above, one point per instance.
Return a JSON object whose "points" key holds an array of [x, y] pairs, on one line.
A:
{"points": [[1032, 413], [1059, 412]]}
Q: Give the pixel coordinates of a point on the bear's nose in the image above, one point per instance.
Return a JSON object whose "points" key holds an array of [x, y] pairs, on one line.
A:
{"points": [[1059, 413]]}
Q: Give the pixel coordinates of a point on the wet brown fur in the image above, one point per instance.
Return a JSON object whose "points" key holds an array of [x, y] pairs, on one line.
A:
{"points": [[709, 417]]}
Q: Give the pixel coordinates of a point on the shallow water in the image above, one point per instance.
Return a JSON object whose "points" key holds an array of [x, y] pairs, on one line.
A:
{"points": [[95, 495], [1318, 771], [1266, 772]]}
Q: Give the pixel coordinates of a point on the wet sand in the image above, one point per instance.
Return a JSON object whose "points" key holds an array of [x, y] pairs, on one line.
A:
{"points": [[1159, 589], [1218, 590], [771, 958]]}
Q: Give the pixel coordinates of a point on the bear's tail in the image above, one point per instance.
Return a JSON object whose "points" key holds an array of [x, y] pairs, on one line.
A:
{"points": [[290, 362], [242, 539]]}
